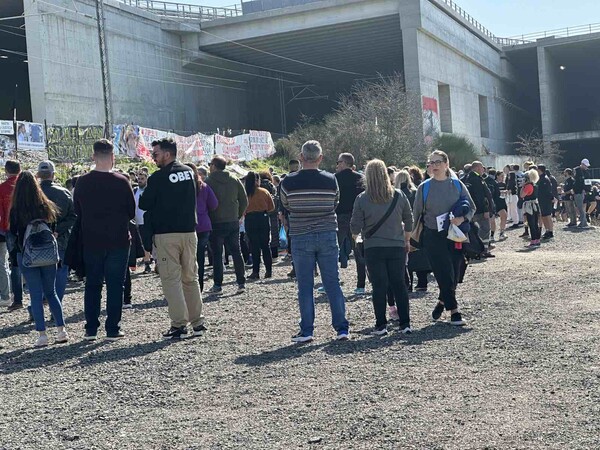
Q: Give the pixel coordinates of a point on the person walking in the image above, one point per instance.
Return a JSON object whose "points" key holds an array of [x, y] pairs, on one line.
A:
{"points": [[568, 197], [225, 220], [443, 191], [206, 201], [170, 201], [65, 220], [105, 204], [258, 225], [12, 169], [481, 195], [311, 196], [30, 206], [384, 217], [580, 188]]}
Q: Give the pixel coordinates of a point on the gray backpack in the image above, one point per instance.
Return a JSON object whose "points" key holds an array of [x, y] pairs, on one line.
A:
{"points": [[40, 248]]}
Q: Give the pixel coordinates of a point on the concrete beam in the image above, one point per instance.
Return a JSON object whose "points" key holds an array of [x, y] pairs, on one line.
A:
{"points": [[285, 20], [576, 136]]}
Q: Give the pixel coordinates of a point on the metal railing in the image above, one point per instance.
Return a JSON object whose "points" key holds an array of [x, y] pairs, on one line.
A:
{"points": [[474, 23], [559, 33], [183, 11]]}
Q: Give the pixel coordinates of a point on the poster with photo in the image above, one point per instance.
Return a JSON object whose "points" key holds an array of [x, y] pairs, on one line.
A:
{"points": [[30, 136], [7, 148]]}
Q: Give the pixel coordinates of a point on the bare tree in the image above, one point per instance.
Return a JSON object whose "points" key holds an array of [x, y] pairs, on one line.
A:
{"points": [[375, 120], [539, 150]]}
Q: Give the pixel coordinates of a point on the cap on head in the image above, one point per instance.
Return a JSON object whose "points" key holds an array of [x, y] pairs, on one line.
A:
{"points": [[585, 162], [46, 167]]}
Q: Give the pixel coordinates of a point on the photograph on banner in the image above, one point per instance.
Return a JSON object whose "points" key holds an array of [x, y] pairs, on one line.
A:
{"points": [[7, 148], [126, 140], [6, 127], [233, 148], [261, 144], [30, 136]]}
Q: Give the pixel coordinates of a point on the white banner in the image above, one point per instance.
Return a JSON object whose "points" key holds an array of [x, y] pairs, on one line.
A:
{"points": [[234, 148], [30, 136], [6, 127], [261, 144]]}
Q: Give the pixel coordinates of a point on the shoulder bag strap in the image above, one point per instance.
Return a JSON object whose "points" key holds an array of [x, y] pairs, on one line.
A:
{"points": [[385, 217]]}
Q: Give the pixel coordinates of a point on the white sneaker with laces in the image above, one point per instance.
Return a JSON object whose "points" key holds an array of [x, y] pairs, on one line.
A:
{"points": [[343, 336], [42, 341], [300, 339], [407, 330], [62, 337]]}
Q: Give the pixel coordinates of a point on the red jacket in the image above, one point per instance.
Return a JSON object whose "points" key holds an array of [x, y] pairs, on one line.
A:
{"points": [[6, 192]]}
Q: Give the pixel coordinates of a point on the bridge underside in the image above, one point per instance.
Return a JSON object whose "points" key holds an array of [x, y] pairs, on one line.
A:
{"points": [[315, 65]]}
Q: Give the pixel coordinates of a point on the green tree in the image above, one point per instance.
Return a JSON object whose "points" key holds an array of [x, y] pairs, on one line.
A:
{"points": [[460, 150]]}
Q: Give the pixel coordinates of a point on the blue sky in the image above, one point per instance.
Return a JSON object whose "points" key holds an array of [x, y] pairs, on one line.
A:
{"points": [[507, 18]]}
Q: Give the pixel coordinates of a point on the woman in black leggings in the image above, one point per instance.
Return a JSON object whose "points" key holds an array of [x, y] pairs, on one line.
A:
{"points": [[435, 198]]}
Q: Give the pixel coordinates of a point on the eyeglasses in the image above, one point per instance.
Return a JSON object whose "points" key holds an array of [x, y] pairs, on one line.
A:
{"points": [[437, 162]]}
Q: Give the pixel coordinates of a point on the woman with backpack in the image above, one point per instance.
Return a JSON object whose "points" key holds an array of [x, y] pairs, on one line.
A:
{"points": [[531, 208], [32, 221], [435, 199], [383, 216]]}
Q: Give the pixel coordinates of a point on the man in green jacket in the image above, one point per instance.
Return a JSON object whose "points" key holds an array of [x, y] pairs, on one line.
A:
{"points": [[226, 222]]}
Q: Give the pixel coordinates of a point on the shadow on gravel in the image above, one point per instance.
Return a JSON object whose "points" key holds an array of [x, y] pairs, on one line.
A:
{"points": [[438, 331], [281, 354], [30, 358], [23, 327], [159, 302], [123, 353]]}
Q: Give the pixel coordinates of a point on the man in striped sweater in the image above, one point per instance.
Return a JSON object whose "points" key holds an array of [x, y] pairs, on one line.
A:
{"points": [[311, 196]]}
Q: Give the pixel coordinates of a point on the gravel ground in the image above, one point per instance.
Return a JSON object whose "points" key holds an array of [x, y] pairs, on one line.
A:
{"points": [[523, 374]]}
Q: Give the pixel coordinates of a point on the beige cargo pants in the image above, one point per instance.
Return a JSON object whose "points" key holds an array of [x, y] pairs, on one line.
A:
{"points": [[178, 269]]}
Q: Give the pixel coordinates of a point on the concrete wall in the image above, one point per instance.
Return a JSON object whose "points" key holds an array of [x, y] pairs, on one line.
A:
{"points": [[451, 54], [149, 85]]}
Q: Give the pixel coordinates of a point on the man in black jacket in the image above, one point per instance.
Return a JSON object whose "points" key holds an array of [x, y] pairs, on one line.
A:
{"points": [[351, 184], [170, 203], [484, 203], [568, 197], [546, 201], [66, 219]]}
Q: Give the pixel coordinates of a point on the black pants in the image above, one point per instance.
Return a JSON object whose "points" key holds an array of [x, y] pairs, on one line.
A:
{"points": [[386, 268], [227, 234], [127, 287], [445, 262], [534, 229], [258, 230], [200, 252]]}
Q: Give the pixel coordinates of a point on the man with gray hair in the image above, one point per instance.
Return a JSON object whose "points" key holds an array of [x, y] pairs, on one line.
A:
{"points": [[311, 197]]}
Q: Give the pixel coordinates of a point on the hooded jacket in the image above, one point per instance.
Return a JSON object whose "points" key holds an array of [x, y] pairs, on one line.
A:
{"points": [[66, 217], [231, 196]]}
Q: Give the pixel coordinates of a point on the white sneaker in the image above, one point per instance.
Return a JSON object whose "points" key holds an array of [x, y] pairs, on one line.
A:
{"points": [[343, 336], [42, 341], [360, 291], [299, 338], [62, 337], [407, 330], [381, 331], [127, 306], [5, 303]]}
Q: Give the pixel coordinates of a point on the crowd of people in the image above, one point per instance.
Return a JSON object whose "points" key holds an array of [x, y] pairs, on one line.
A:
{"points": [[398, 224]]}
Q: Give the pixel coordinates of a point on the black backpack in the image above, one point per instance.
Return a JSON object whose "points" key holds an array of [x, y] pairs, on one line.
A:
{"points": [[474, 248]]}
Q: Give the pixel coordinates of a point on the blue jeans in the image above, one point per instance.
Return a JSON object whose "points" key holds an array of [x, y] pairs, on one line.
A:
{"points": [[308, 250], [40, 282], [109, 266]]}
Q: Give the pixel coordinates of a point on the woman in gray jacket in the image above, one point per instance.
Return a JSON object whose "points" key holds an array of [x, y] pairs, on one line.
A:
{"points": [[385, 245]]}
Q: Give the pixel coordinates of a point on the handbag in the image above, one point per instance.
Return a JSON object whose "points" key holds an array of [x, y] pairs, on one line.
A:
{"points": [[360, 249]]}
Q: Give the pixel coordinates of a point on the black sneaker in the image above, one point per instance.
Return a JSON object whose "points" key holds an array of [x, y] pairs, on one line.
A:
{"points": [[457, 320], [176, 333], [115, 336], [269, 275], [199, 330], [14, 306], [254, 276], [292, 273], [437, 311], [514, 226]]}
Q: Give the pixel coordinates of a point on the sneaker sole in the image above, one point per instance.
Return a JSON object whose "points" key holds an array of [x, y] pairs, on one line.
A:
{"points": [[90, 338], [462, 323], [379, 333], [303, 341], [113, 338], [343, 338]]}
